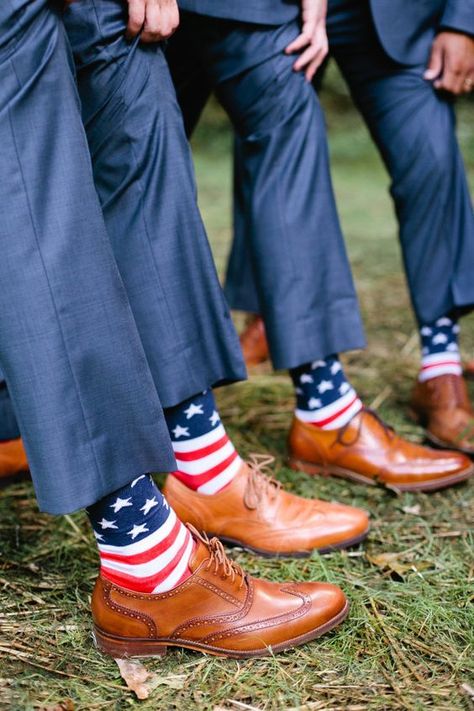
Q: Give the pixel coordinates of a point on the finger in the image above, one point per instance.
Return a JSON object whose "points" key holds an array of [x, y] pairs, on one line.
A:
{"points": [[155, 25], [435, 64], [299, 43], [452, 79], [136, 17], [160, 22], [313, 66], [305, 58], [453, 87]]}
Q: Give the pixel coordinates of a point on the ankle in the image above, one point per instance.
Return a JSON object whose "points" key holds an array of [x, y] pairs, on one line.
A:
{"points": [[439, 349], [324, 397], [207, 460], [142, 544]]}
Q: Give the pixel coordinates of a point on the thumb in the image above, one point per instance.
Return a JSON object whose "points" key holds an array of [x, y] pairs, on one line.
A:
{"points": [[435, 65]]}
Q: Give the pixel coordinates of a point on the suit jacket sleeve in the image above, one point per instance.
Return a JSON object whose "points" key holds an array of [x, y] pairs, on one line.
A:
{"points": [[459, 15]]}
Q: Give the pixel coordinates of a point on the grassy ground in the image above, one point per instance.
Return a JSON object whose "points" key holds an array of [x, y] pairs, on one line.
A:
{"points": [[409, 642]]}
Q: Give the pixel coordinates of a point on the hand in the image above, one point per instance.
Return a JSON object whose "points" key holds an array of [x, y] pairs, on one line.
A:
{"points": [[313, 40], [153, 20], [451, 65]]}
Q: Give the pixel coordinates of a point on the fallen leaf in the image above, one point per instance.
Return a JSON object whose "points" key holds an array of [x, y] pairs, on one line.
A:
{"points": [[390, 561], [415, 510], [135, 676], [142, 682], [66, 705]]}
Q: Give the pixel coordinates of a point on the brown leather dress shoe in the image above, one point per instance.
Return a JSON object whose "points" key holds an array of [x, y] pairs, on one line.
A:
{"points": [[253, 341], [13, 462], [219, 609], [369, 452], [442, 406], [255, 513]]}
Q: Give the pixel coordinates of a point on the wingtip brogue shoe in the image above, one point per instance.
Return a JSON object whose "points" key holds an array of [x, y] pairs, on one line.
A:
{"points": [[219, 609], [255, 513], [369, 452], [441, 405]]}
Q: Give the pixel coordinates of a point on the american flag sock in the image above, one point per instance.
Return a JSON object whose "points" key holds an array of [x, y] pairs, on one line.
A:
{"points": [[324, 397], [207, 459], [143, 546], [439, 349]]}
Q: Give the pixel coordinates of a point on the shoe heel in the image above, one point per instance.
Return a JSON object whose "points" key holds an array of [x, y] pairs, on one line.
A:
{"points": [[123, 648], [307, 467]]}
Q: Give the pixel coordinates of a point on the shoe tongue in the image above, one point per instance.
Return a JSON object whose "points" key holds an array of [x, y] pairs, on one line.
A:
{"points": [[200, 554]]}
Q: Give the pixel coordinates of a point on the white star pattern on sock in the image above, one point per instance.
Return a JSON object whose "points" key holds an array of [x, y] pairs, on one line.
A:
{"points": [[214, 418], [325, 385], [180, 431], [136, 530], [120, 504], [149, 504], [305, 378], [193, 410], [107, 524], [314, 402]]}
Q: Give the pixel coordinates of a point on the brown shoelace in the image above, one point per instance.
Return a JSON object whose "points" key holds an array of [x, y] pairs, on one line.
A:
{"points": [[260, 482], [218, 559]]}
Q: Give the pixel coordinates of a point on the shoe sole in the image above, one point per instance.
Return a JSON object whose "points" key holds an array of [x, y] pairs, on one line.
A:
{"points": [[433, 485], [435, 441], [232, 542], [122, 648]]}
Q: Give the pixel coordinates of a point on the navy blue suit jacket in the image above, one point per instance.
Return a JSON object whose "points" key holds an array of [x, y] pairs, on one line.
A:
{"points": [[405, 27]]}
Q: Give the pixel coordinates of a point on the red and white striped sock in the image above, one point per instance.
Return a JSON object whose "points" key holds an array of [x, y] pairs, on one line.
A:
{"points": [[324, 397], [143, 546], [207, 460]]}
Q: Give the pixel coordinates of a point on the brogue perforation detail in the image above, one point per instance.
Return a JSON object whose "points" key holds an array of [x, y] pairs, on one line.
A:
{"points": [[217, 619], [264, 624], [147, 596], [209, 586], [132, 614]]}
